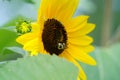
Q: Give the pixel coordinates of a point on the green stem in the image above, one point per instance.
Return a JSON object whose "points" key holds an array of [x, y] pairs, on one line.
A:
{"points": [[106, 28]]}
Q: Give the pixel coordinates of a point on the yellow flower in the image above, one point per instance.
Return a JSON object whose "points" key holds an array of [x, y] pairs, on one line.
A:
{"points": [[57, 32]]}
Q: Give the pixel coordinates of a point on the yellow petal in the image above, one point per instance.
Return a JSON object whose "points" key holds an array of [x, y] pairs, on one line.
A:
{"points": [[78, 78], [34, 45], [82, 74], [71, 59], [80, 41], [59, 9], [80, 55], [86, 49], [27, 37], [76, 23], [34, 53], [83, 31], [35, 26]]}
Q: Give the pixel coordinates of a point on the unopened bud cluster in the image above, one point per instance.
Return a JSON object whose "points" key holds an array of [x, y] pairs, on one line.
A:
{"points": [[23, 27]]}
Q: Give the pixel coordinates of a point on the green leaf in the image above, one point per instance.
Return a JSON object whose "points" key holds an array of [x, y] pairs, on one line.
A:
{"points": [[12, 53], [42, 67], [108, 67], [7, 39], [30, 1], [16, 50]]}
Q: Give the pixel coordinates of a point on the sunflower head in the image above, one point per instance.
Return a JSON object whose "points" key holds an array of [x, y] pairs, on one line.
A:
{"points": [[23, 26], [56, 31]]}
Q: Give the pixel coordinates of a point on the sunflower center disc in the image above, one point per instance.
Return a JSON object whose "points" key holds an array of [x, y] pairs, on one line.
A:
{"points": [[54, 37]]}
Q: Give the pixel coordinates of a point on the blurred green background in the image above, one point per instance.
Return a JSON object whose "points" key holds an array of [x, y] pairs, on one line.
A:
{"points": [[104, 13]]}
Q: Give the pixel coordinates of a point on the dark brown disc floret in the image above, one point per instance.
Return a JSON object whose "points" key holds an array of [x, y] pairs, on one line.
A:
{"points": [[54, 37]]}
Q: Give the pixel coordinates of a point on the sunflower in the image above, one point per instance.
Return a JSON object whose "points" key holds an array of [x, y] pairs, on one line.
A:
{"points": [[56, 31]]}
